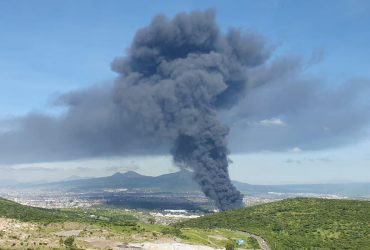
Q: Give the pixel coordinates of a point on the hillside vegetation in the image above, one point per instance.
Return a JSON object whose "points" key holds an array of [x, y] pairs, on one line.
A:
{"points": [[299, 223], [13, 210], [24, 227]]}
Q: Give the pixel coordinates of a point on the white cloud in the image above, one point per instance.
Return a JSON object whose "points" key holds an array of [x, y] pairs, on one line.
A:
{"points": [[295, 150], [6, 126], [272, 122], [93, 167]]}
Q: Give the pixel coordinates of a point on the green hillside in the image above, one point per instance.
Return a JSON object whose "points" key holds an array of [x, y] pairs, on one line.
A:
{"points": [[37, 228], [299, 223], [13, 210]]}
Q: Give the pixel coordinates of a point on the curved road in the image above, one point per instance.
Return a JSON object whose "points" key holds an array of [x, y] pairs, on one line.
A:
{"points": [[261, 242]]}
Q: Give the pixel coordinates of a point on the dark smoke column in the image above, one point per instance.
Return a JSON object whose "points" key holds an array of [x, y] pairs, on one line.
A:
{"points": [[206, 153], [176, 75]]}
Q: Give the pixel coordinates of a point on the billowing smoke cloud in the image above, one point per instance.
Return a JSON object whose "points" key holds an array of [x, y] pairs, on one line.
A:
{"points": [[180, 86], [176, 75]]}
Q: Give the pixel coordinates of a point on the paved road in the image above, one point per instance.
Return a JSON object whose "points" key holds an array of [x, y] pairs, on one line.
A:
{"points": [[261, 242]]}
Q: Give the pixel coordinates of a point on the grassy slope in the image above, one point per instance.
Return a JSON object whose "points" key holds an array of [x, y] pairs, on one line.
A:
{"points": [[13, 210], [120, 225], [299, 223]]}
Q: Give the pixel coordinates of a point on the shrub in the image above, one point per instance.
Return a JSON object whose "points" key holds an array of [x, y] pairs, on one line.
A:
{"points": [[172, 231], [229, 246], [151, 220], [69, 242]]}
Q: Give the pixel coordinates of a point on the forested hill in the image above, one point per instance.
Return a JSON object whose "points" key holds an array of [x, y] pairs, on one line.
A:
{"points": [[299, 223]]}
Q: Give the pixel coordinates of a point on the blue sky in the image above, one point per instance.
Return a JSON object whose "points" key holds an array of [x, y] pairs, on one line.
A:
{"points": [[52, 47]]}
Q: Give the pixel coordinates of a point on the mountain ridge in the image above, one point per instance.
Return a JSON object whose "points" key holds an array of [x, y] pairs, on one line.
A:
{"points": [[182, 181]]}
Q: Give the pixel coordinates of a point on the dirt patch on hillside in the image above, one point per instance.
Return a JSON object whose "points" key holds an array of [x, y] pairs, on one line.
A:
{"points": [[10, 225], [168, 246], [218, 237], [68, 233]]}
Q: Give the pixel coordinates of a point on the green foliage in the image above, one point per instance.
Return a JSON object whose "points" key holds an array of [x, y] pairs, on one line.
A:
{"points": [[229, 246], [299, 223], [171, 231], [69, 242], [253, 243], [174, 231], [151, 220], [13, 210]]}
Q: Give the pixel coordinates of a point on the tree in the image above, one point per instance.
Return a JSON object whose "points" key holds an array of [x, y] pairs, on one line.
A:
{"points": [[69, 242], [151, 220]]}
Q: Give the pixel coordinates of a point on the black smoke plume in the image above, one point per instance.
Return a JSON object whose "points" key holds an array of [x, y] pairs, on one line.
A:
{"points": [[176, 75], [178, 86]]}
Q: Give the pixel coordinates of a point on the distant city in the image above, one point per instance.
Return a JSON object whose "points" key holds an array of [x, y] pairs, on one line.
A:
{"points": [[131, 190]]}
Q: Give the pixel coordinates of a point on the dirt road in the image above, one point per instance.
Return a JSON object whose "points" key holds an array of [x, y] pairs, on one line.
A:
{"points": [[261, 242]]}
